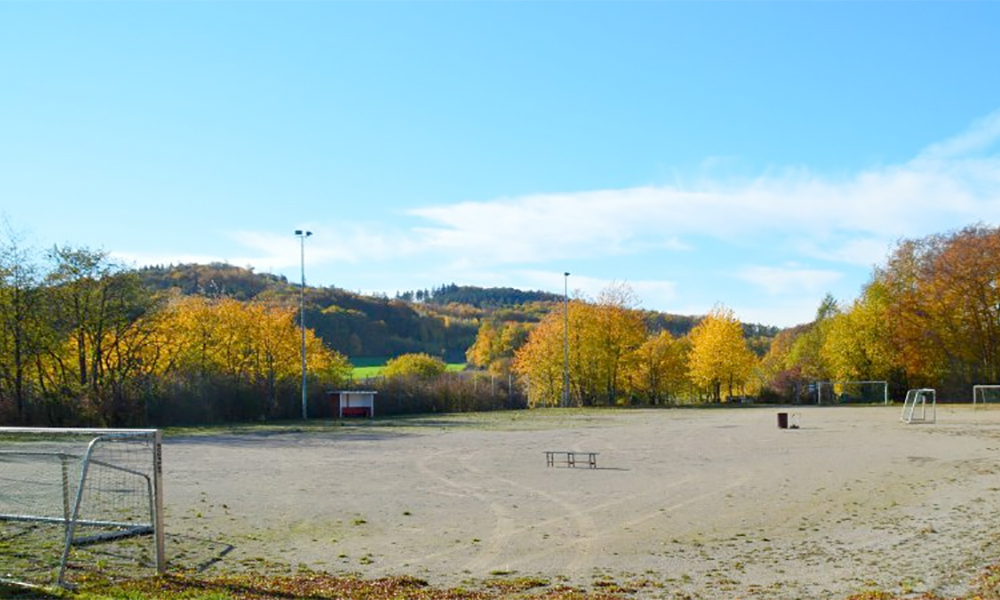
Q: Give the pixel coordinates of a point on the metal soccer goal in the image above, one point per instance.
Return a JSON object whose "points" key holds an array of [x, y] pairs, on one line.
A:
{"points": [[920, 406], [985, 395], [63, 490]]}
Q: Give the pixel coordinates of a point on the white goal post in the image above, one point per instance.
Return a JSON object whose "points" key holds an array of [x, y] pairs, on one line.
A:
{"points": [[920, 406], [840, 392], [985, 394], [64, 489]]}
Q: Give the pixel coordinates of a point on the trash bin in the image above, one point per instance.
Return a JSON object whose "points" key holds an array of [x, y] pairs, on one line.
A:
{"points": [[782, 420]]}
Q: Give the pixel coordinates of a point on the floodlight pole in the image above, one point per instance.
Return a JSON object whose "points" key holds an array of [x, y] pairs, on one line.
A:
{"points": [[565, 390], [302, 235]]}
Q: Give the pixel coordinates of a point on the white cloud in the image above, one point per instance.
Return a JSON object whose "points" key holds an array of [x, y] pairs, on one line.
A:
{"points": [[876, 207], [853, 220], [781, 314], [831, 228]]}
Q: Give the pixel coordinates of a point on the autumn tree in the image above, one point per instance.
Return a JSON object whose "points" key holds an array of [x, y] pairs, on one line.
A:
{"points": [[805, 355], [495, 345], [246, 355], [944, 306], [858, 343], [780, 374], [540, 360], [23, 326], [719, 354], [658, 370], [93, 304], [602, 339], [609, 334]]}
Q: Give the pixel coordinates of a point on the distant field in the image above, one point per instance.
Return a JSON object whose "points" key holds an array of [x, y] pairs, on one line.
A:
{"points": [[371, 367]]}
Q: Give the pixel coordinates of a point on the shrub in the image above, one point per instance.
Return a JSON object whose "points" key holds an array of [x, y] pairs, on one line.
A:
{"points": [[421, 366]]}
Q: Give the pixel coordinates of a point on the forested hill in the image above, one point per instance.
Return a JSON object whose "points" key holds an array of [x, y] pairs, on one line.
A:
{"points": [[441, 322], [213, 280], [478, 297]]}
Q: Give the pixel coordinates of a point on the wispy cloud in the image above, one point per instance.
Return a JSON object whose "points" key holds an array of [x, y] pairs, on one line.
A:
{"points": [[980, 136]]}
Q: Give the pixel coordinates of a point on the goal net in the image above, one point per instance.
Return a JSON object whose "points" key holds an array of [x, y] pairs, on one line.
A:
{"points": [[852, 392], [920, 406], [74, 501], [985, 396]]}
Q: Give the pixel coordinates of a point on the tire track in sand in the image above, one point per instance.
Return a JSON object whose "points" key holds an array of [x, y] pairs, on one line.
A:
{"points": [[488, 555], [589, 541]]}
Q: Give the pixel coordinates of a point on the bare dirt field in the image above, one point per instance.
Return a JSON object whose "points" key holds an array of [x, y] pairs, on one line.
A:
{"points": [[705, 503]]}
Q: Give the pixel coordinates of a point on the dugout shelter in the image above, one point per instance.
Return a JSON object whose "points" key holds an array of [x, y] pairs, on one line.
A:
{"points": [[353, 403]]}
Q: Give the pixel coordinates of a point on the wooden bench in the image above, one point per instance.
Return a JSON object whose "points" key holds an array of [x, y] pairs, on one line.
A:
{"points": [[569, 457]]}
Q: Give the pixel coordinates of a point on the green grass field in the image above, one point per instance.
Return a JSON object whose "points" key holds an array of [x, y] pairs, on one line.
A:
{"points": [[368, 367]]}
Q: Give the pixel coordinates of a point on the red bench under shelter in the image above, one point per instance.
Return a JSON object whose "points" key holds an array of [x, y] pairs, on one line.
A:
{"points": [[353, 403]]}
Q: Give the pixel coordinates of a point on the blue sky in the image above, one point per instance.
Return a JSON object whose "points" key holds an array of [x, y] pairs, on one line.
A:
{"points": [[754, 155]]}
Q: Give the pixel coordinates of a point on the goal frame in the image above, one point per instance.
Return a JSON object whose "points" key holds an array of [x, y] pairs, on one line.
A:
{"points": [[832, 384], [976, 388], [74, 497], [918, 397]]}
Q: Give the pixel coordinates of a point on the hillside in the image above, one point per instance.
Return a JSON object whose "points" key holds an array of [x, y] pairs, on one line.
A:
{"points": [[441, 322]]}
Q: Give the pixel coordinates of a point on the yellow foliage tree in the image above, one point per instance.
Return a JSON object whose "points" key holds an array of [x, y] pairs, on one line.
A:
{"points": [[540, 361], [495, 345], [658, 371], [248, 343], [858, 343], [719, 354], [603, 338]]}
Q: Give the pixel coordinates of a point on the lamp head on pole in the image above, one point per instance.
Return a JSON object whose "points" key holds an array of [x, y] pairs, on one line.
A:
{"points": [[302, 233]]}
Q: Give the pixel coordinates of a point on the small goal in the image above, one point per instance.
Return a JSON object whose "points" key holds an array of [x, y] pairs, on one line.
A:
{"points": [[79, 500], [920, 406], [852, 392], [984, 396]]}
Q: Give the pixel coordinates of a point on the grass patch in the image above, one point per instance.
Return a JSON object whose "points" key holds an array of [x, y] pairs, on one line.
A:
{"points": [[309, 586], [369, 367], [366, 372]]}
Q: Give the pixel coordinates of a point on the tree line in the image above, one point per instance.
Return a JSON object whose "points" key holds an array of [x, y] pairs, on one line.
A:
{"points": [[608, 355], [84, 342], [928, 317]]}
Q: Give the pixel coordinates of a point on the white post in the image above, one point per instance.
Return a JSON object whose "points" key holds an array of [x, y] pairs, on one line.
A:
{"points": [[161, 555], [565, 391], [302, 316]]}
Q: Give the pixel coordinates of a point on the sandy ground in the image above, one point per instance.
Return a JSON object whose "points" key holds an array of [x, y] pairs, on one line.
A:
{"points": [[685, 503]]}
